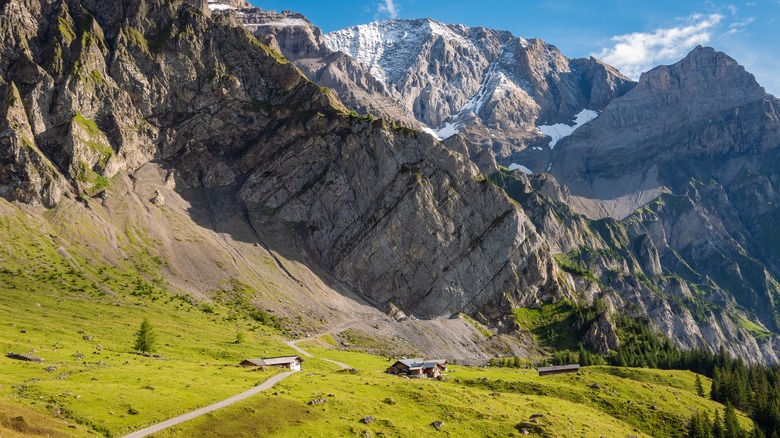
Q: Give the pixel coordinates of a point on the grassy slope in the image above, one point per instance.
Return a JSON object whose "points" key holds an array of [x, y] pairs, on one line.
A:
{"points": [[468, 404], [57, 305], [67, 291]]}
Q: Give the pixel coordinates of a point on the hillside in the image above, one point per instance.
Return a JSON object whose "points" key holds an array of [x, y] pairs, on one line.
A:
{"points": [[269, 161], [159, 161], [597, 401]]}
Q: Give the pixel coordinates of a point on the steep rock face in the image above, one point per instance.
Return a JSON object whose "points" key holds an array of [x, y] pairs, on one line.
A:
{"points": [[704, 107], [302, 43], [601, 336], [26, 174], [389, 212], [695, 144], [490, 86], [426, 233], [701, 296]]}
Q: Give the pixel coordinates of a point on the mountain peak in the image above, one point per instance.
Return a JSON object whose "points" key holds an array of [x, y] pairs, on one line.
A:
{"points": [[705, 79]]}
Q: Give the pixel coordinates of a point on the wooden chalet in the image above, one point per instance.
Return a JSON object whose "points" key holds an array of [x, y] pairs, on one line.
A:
{"points": [[292, 363], [418, 367], [558, 369]]}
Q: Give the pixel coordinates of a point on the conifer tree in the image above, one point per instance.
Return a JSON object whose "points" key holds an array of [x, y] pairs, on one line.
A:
{"points": [[699, 387], [145, 338], [717, 427], [731, 427], [699, 426]]}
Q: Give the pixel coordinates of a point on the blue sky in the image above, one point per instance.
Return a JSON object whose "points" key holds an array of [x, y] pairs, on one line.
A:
{"points": [[631, 35]]}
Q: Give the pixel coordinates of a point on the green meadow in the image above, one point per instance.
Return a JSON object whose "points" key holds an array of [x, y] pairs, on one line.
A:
{"points": [[91, 377], [471, 401], [80, 315], [61, 302]]}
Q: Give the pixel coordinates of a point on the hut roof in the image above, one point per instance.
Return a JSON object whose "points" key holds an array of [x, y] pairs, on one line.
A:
{"points": [[418, 363], [271, 361], [558, 368]]}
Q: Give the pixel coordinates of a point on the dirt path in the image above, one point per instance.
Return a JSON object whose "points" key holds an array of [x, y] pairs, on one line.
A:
{"points": [[244, 395], [202, 411], [342, 365], [294, 345]]}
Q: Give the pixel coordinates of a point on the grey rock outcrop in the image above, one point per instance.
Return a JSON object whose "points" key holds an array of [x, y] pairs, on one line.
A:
{"points": [[618, 261], [403, 220], [601, 336], [688, 158], [302, 43], [695, 109], [489, 85], [391, 213]]}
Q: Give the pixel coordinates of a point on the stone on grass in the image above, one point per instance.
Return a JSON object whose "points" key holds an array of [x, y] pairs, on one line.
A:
{"points": [[317, 401], [24, 357]]}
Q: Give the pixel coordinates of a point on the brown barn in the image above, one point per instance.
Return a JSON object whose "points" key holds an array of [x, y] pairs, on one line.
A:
{"points": [[418, 367], [559, 369], [292, 363]]}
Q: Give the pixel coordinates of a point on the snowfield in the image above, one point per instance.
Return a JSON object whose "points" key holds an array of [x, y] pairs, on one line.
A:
{"points": [[559, 130]]}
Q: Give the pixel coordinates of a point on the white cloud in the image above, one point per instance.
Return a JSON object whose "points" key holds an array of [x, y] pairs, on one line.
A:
{"points": [[388, 7], [637, 52], [739, 26]]}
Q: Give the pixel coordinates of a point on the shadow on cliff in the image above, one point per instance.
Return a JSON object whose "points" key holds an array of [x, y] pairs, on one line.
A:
{"points": [[220, 210]]}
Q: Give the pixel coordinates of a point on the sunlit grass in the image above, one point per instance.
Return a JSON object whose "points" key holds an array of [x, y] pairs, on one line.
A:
{"points": [[597, 401]]}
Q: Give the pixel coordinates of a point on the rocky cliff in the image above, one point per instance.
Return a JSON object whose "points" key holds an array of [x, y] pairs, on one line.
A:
{"points": [[301, 42], [96, 95], [490, 86], [96, 92], [690, 157]]}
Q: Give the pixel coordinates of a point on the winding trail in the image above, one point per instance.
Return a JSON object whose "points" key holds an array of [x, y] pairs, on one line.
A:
{"points": [[236, 398], [202, 411], [342, 365], [294, 345]]}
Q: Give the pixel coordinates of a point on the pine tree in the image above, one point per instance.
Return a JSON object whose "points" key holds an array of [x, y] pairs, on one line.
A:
{"points": [[145, 338], [731, 427], [756, 433], [716, 385], [699, 426], [699, 387], [717, 427]]}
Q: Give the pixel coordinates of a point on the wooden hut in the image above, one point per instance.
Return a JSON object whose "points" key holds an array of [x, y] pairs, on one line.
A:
{"points": [[293, 363], [418, 367], [559, 369]]}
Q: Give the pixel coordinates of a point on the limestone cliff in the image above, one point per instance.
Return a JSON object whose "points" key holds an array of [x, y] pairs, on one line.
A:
{"points": [[488, 85], [97, 91], [695, 145]]}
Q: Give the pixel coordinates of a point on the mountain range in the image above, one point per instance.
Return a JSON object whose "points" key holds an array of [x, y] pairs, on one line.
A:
{"points": [[414, 180]]}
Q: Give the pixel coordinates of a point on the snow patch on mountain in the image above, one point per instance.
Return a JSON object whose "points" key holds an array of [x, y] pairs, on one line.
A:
{"points": [[388, 48], [515, 166], [284, 22], [559, 131], [495, 84], [219, 7]]}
